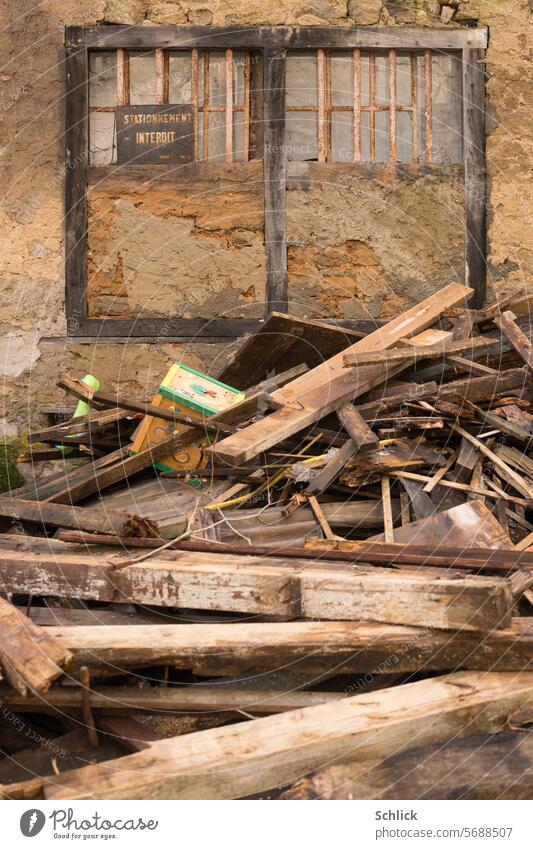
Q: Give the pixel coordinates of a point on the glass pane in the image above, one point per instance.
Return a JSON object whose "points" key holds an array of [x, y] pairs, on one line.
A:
{"points": [[382, 81], [382, 137], [342, 136], [101, 138], [404, 136], [421, 101], [342, 79], [365, 136], [102, 79], [365, 76], [302, 135], [403, 80], [238, 136], [142, 78], [217, 136], [179, 78], [217, 78], [239, 65], [447, 108], [301, 83]]}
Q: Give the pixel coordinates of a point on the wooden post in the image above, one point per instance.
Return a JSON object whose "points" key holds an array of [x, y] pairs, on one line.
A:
{"points": [[275, 181], [475, 174]]}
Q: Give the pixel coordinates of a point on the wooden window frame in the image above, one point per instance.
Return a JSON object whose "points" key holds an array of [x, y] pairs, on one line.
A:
{"points": [[273, 43]]}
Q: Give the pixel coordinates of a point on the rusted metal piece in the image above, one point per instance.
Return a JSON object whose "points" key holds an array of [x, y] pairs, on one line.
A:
{"points": [[123, 77], [321, 80], [392, 111], [161, 76], [194, 98], [85, 681], [357, 105], [428, 104], [205, 146], [414, 103], [246, 108], [372, 105], [229, 106]]}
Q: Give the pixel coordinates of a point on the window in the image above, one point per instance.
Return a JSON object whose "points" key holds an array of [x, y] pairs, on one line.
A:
{"points": [[215, 82], [374, 106]]}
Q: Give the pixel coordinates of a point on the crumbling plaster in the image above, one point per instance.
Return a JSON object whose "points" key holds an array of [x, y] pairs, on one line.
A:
{"points": [[32, 173]]}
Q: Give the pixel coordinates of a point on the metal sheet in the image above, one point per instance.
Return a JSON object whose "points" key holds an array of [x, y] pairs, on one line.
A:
{"points": [[155, 134]]}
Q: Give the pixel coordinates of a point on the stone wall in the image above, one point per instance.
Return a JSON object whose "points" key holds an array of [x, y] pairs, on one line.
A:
{"points": [[339, 263]]}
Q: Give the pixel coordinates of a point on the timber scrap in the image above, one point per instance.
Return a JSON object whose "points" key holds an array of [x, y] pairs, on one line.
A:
{"points": [[348, 579]]}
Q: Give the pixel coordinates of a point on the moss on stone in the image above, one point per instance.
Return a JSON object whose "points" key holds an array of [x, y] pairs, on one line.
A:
{"points": [[10, 477]]}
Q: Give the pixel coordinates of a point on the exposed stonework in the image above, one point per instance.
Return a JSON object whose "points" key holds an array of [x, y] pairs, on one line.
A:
{"points": [[396, 258]]}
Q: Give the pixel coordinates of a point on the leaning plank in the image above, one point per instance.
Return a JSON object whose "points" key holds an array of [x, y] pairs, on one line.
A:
{"points": [[315, 647], [77, 518], [251, 585], [441, 349], [325, 387], [510, 476], [516, 336], [31, 657], [230, 762]]}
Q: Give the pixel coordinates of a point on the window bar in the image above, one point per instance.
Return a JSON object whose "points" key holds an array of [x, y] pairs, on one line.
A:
{"points": [[428, 104], [414, 103], [194, 98], [229, 105], [329, 106], [321, 106], [161, 76], [392, 108], [205, 147], [246, 108], [357, 106], [372, 106], [123, 77]]}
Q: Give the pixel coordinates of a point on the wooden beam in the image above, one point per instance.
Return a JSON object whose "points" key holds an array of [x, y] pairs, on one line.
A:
{"points": [[274, 157], [248, 585], [355, 426], [79, 518], [31, 657], [516, 336], [316, 647], [475, 173], [231, 762], [326, 387]]}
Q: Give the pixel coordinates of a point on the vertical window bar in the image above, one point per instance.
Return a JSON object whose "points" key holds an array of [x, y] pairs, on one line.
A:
{"points": [[414, 103], [123, 77], [357, 106], [372, 106], [246, 107], [428, 103], [194, 97], [392, 108], [205, 146], [161, 76], [321, 105], [229, 105], [329, 107]]}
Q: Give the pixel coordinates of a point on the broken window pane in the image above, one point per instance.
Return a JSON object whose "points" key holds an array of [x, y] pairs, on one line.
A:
{"points": [[102, 149], [102, 79], [179, 78], [142, 77], [447, 108]]}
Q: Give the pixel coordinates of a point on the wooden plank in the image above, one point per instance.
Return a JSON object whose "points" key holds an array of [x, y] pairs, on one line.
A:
{"points": [[319, 514], [413, 476], [318, 647], [76, 146], [192, 699], [31, 657], [248, 585], [234, 761], [332, 469], [516, 480], [78, 518], [275, 181], [328, 385], [471, 346], [355, 426], [387, 509], [475, 173], [516, 336], [110, 37]]}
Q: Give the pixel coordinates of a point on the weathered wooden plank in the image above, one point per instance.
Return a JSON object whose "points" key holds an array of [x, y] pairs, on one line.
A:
{"points": [[31, 657], [315, 647], [78, 518], [475, 173], [471, 346], [275, 181], [250, 585], [328, 385], [516, 336], [251, 757], [355, 426]]}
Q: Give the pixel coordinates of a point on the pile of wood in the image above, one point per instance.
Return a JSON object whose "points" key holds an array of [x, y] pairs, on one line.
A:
{"points": [[337, 605]]}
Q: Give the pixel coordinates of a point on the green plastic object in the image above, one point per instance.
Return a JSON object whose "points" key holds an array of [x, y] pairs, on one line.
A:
{"points": [[82, 407]]}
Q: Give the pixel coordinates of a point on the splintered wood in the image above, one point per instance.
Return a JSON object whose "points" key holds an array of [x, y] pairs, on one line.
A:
{"points": [[361, 513]]}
